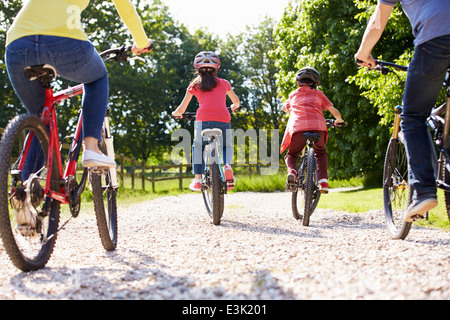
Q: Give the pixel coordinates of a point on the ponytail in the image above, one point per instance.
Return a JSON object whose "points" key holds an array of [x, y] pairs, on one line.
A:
{"points": [[206, 79]]}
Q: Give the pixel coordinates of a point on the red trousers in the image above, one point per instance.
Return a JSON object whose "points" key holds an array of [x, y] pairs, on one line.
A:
{"points": [[298, 144]]}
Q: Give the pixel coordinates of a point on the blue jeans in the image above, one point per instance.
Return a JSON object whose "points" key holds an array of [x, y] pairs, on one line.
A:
{"points": [[426, 74], [74, 60], [200, 143]]}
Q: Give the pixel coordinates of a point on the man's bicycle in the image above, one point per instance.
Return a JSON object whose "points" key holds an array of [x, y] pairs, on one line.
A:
{"points": [[214, 184], [397, 192], [36, 177], [305, 190]]}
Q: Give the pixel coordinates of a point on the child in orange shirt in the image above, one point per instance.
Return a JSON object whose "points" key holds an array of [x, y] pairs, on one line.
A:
{"points": [[305, 107]]}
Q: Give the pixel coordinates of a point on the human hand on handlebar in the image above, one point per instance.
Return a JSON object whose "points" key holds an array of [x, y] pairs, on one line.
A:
{"points": [[177, 115], [234, 107], [139, 51], [365, 61]]}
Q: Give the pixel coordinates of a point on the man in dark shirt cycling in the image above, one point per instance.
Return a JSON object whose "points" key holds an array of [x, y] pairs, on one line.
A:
{"points": [[431, 28]]}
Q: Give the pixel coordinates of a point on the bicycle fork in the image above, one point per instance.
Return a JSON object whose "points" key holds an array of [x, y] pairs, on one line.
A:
{"points": [[109, 142]]}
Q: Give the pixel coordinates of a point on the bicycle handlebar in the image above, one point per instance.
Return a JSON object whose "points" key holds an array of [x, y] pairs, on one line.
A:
{"points": [[331, 123], [121, 54], [193, 115], [383, 66]]}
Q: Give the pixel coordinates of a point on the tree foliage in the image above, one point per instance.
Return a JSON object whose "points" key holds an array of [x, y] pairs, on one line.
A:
{"points": [[260, 64], [325, 34]]}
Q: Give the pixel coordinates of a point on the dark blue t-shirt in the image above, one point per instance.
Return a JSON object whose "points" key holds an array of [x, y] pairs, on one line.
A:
{"points": [[429, 18]]}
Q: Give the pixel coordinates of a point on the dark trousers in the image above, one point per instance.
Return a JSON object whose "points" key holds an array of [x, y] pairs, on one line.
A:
{"points": [[297, 145]]}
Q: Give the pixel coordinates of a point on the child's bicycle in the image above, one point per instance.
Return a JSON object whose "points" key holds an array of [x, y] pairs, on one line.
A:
{"points": [[214, 184], [397, 193], [34, 181], [305, 191]]}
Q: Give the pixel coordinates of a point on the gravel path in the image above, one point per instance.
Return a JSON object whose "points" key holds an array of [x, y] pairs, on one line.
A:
{"points": [[168, 249]]}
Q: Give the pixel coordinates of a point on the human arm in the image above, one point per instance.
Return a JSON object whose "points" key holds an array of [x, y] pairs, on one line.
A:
{"points": [[287, 108], [178, 113], [130, 17], [335, 112], [235, 99], [372, 35]]}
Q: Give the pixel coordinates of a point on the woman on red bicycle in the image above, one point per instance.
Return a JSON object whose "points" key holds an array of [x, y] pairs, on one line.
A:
{"points": [[50, 32]]}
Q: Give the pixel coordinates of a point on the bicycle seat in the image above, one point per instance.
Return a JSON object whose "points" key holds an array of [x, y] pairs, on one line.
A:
{"points": [[311, 136], [211, 133], [44, 72]]}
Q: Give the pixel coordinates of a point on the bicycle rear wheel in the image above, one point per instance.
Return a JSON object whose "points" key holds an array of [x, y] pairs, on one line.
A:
{"points": [[28, 218], [397, 193], [105, 205], [213, 193], [307, 197], [446, 177], [312, 195]]}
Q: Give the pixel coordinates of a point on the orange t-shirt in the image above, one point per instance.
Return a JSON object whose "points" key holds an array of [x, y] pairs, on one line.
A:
{"points": [[213, 105], [306, 107]]}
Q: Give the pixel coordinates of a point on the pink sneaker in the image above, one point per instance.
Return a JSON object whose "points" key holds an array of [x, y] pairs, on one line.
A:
{"points": [[292, 176], [196, 185], [229, 178], [323, 187]]}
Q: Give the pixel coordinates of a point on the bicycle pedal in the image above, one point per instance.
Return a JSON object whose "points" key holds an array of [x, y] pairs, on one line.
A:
{"points": [[417, 218], [292, 187], [99, 170]]}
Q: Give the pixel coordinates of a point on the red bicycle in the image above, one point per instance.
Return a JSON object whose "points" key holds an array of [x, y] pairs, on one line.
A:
{"points": [[34, 181]]}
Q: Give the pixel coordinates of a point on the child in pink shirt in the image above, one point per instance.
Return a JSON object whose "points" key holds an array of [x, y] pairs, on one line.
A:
{"points": [[211, 93], [305, 107]]}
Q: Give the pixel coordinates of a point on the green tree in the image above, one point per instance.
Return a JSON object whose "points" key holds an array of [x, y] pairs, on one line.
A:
{"points": [[325, 34], [9, 104]]}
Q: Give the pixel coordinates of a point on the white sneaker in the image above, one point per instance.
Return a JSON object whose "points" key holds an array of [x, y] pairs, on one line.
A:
{"points": [[92, 159], [24, 213], [418, 209]]}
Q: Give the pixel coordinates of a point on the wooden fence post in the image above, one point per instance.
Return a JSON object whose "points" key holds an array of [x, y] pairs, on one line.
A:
{"points": [[153, 178], [143, 175], [121, 170], [133, 172], [181, 176]]}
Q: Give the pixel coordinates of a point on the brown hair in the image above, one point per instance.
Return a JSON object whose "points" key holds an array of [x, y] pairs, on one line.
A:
{"points": [[206, 79]]}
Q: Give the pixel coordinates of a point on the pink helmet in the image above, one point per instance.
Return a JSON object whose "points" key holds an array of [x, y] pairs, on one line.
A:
{"points": [[207, 59]]}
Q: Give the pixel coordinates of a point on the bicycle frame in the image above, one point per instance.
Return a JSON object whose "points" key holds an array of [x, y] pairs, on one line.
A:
{"points": [[49, 118], [441, 129], [213, 153]]}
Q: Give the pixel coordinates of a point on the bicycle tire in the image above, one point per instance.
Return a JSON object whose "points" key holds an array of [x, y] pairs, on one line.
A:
{"points": [[105, 196], [217, 194], [397, 193], [311, 196], [446, 178], [30, 251]]}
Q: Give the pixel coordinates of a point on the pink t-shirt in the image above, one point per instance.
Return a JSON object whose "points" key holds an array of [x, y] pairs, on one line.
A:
{"points": [[307, 106], [213, 105]]}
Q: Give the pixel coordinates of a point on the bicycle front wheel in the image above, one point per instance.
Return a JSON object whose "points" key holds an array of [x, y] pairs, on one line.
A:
{"points": [[397, 193], [105, 205], [306, 198], [28, 218], [213, 193]]}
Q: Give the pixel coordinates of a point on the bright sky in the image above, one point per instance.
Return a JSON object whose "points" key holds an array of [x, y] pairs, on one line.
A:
{"points": [[225, 16]]}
